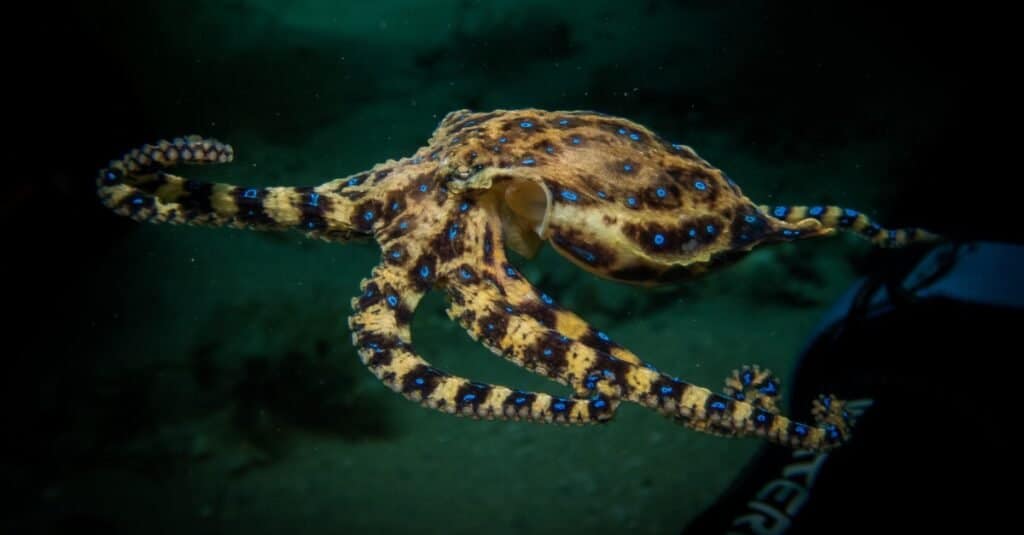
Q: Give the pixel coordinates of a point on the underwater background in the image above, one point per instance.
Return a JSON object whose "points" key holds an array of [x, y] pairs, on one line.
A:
{"points": [[183, 379]]}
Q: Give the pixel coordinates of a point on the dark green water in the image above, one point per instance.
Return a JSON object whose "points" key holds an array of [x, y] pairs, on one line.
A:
{"points": [[189, 380]]}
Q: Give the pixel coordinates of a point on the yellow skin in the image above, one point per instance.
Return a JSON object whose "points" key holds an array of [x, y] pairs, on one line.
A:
{"points": [[607, 193]]}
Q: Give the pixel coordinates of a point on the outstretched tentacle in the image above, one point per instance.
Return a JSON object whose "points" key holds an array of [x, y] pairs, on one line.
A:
{"points": [[380, 330], [138, 186], [500, 308], [812, 221]]}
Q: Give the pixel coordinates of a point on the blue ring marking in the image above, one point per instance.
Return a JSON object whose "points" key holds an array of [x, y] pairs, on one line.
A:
{"points": [[549, 149], [314, 199], [599, 403], [454, 231], [800, 430], [547, 351], [137, 201], [575, 140], [558, 406], [392, 301], [396, 254], [502, 139], [718, 405], [469, 397], [563, 122], [519, 400], [569, 195], [622, 131], [710, 229], [110, 176], [692, 233], [750, 218], [659, 239], [463, 207], [423, 188], [660, 192], [510, 271], [465, 274], [526, 124], [631, 201], [403, 225], [547, 299], [602, 195], [603, 336], [666, 390], [850, 212], [634, 136], [353, 181], [627, 168], [251, 193], [780, 211], [368, 215], [816, 211], [529, 161], [700, 185], [419, 381], [425, 271]]}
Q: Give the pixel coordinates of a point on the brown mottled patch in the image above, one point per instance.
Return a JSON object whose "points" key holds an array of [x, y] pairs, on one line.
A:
{"points": [[423, 272], [471, 395], [381, 345], [671, 238], [492, 328], [663, 195], [665, 390], [423, 379], [572, 243], [450, 242], [543, 314], [351, 182], [562, 194], [366, 215], [488, 246], [371, 295], [549, 350]]}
